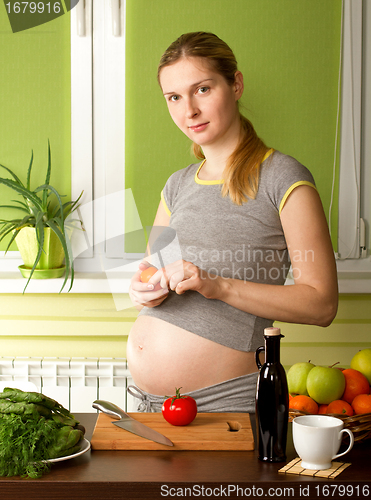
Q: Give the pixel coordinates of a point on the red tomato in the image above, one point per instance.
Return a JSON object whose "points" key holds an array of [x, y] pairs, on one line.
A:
{"points": [[179, 410]]}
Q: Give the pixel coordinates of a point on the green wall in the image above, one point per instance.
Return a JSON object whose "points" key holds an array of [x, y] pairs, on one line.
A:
{"points": [[288, 51], [35, 102], [84, 325]]}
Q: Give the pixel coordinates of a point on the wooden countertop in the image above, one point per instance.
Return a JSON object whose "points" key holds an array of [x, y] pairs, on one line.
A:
{"points": [[119, 475]]}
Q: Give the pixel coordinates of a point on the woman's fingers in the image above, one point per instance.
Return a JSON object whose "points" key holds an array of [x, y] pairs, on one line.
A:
{"points": [[149, 298], [147, 294], [179, 276], [172, 274]]}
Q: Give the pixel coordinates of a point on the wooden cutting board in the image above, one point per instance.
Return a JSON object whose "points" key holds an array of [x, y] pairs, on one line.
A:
{"points": [[209, 431]]}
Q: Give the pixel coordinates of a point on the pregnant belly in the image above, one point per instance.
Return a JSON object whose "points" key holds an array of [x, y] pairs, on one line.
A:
{"points": [[162, 356]]}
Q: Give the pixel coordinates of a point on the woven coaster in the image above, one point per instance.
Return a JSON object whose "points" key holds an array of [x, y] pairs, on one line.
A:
{"points": [[294, 467]]}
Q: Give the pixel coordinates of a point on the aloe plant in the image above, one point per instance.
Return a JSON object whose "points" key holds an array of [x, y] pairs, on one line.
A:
{"points": [[39, 212]]}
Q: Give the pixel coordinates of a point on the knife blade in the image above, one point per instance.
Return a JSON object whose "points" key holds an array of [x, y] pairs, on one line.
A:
{"points": [[129, 423]]}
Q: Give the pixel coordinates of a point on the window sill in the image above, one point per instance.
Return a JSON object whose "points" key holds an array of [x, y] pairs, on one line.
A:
{"points": [[352, 279], [11, 280], [354, 275]]}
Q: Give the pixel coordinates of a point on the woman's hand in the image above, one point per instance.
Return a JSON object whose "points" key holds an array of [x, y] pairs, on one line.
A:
{"points": [[182, 275], [143, 294]]}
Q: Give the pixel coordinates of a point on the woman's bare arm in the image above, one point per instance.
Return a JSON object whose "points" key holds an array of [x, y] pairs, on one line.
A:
{"points": [[312, 299]]}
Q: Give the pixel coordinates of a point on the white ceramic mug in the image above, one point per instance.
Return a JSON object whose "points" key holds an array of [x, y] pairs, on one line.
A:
{"points": [[317, 439]]}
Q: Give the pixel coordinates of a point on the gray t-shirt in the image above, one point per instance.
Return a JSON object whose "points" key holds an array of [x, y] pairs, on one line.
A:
{"points": [[242, 242]]}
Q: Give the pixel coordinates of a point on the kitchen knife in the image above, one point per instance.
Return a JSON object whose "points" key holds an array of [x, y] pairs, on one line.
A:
{"points": [[130, 424]]}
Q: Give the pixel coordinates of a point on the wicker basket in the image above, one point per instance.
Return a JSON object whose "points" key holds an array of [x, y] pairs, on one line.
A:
{"points": [[360, 425]]}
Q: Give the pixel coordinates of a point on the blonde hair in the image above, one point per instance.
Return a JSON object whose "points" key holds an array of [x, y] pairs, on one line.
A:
{"points": [[241, 174]]}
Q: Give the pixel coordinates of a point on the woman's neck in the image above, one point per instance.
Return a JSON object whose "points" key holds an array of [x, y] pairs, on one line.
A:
{"points": [[212, 168], [216, 159], [218, 154]]}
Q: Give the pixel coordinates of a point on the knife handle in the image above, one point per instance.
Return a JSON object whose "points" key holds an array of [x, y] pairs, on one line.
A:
{"points": [[109, 408]]}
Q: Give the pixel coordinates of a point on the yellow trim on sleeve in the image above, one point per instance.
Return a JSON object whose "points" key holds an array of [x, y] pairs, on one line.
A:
{"points": [[164, 204], [267, 154], [291, 189]]}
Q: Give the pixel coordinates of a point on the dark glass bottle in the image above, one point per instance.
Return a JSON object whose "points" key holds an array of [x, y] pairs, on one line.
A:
{"points": [[272, 400]]}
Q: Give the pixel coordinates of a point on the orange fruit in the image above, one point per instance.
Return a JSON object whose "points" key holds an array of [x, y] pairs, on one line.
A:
{"points": [[362, 404], [147, 274], [322, 409], [355, 383], [340, 407], [304, 403]]}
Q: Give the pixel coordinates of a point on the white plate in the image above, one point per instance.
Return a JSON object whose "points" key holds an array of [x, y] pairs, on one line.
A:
{"points": [[31, 387], [85, 446]]}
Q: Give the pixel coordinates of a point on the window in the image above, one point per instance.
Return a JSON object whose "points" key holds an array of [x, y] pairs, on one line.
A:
{"points": [[98, 133], [355, 152]]}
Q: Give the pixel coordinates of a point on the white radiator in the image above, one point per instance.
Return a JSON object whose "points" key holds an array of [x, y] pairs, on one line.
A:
{"points": [[73, 382]]}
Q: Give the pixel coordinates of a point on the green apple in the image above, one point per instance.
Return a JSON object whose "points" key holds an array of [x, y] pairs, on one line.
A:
{"points": [[297, 378], [325, 384], [362, 362]]}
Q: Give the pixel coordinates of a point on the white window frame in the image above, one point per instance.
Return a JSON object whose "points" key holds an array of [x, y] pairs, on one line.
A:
{"points": [[353, 258], [98, 133], [98, 126], [97, 155]]}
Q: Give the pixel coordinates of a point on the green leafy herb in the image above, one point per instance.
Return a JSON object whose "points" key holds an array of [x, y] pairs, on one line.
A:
{"points": [[32, 430]]}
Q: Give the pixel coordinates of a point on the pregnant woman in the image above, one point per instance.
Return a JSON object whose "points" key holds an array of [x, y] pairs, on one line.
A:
{"points": [[235, 221]]}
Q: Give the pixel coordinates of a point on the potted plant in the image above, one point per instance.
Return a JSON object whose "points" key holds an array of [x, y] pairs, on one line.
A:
{"points": [[41, 233]]}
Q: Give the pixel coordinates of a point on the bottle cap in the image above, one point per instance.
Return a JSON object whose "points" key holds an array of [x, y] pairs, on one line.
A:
{"points": [[271, 331]]}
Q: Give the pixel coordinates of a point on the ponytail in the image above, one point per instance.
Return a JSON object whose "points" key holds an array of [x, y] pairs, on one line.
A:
{"points": [[241, 174]]}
